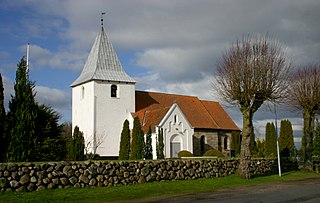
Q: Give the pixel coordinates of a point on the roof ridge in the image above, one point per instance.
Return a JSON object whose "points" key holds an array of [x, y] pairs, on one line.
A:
{"points": [[98, 51], [173, 94]]}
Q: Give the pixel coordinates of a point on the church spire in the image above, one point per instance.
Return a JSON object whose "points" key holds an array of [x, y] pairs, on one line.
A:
{"points": [[102, 62]]}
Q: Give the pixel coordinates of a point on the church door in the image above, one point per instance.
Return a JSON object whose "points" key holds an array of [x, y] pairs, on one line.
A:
{"points": [[175, 146], [175, 149]]}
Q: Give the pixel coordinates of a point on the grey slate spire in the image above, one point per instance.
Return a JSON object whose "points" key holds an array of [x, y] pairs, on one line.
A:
{"points": [[102, 63]]}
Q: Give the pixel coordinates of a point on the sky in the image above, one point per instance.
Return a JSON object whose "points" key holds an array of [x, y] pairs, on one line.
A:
{"points": [[169, 46]]}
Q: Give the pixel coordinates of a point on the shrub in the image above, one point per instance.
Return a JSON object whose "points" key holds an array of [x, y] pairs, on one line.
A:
{"points": [[214, 152], [184, 153]]}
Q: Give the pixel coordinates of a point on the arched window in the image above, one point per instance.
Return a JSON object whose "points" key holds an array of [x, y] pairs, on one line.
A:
{"points": [[225, 143], [202, 143], [114, 90], [82, 93]]}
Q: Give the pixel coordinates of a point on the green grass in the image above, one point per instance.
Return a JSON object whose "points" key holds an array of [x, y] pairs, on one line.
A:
{"points": [[156, 189]]}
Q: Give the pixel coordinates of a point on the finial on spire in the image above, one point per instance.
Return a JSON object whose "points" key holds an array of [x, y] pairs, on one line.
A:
{"points": [[102, 13]]}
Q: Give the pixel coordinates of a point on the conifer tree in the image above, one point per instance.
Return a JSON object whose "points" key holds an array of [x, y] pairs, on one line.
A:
{"points": [[3, 139], [253, 144], [125, 142], [302, 149], [271, 140], [286, 142], [22, 116], [137, 143], [51, 144], [160, 145], [236, 142], [77, 145], [316, 141], [261, 146], [148, 148]]}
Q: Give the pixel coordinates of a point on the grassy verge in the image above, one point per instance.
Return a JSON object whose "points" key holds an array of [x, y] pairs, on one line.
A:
{"points": [[166, 188]]}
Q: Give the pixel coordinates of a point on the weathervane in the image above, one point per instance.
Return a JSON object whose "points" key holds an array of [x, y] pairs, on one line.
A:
{"points": [[102, 13]]}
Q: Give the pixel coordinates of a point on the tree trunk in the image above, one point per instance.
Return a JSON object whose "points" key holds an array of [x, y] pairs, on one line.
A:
{"points": [[308, 127], [247, 130]]}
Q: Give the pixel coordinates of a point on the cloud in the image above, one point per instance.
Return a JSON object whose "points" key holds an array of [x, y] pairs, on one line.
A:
{"points": [[43, 57], [179, 64], [56, 98], [8, 90], [202, 88]]}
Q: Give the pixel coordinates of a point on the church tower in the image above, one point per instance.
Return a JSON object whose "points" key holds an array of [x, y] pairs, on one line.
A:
{"points": [[103, 97]]}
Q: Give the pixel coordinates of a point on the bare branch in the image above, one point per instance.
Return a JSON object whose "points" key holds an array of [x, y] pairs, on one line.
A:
{"points": [[252, 71], [305, 88]]}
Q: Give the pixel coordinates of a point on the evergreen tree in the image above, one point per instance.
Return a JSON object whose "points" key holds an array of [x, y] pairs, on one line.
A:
{"points": [[253, 144], [51, 144], [3, 139], [137, 143], [302, 149], [316, 141], [286, 142], [125, 142], [160, 145], [148, 148], [271, 140], [66, 130], [22, 117], [261, 148], [236, 142], [77, 145]]}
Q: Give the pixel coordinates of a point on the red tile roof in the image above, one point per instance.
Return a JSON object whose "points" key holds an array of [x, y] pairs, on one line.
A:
{"points": [[151, 107]]}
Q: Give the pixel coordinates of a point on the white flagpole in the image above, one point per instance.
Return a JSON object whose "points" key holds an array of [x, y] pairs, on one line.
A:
{"points": [[27, 64], [278, 151]]}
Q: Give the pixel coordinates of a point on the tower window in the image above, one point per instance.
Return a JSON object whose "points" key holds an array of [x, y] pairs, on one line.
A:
{"points": [[114, 89], [82, 93]]}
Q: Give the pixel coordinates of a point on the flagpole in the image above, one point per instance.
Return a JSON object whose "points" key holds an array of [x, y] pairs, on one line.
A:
{"points": [[278, 151], [27, 64]]}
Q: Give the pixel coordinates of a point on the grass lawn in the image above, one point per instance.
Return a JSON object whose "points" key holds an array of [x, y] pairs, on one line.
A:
{"points": [[166, 188]]}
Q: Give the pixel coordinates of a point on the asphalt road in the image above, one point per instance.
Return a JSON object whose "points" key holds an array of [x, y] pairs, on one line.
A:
{"points": [[293, 191]]}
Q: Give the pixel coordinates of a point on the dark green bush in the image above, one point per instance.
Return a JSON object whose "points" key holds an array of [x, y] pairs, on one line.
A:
{"points": [[214, 152], [184, 153]]}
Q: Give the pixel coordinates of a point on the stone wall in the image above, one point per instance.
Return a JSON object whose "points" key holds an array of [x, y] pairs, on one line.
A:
{"points": [[39, 176]]}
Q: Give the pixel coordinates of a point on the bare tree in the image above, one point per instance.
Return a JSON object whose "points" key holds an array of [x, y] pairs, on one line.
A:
{"points": [[305, 95], [253, 70], [91, 146]]}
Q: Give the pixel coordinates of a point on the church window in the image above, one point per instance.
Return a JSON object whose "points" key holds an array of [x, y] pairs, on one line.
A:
{"points": [[82, 93], [225, 143], [202, 143], [114, 89], [175, 119]]}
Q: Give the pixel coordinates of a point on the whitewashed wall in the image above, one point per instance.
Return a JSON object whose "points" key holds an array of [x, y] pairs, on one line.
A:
{"points": [[83, 109]]}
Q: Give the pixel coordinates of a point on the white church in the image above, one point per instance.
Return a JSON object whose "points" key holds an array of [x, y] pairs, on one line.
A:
{"points": [[104, 96]]}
